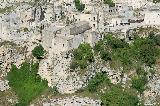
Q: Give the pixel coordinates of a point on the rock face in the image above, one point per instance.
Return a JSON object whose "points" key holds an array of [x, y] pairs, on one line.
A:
{"points": [[73, 101], [153, 92], [4, 85], [113, 76], [56, 70], [10, 54]]}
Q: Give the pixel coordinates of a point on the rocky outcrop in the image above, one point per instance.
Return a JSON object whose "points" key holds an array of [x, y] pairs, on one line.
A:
{"points": [[73, 101], [4, 85]]}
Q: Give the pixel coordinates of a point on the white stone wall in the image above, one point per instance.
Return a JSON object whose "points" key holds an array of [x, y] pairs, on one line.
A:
{"points": [[45, 70], [134, 3], [60, 45], [91, 37], [76, 41], [91, 18], [26, 15], [49, 13], [83, 17], [57, 10], [1, 25], [86, 1], [88, 7], [152, 18], [101, 24], [73, 101], [116, 21]]}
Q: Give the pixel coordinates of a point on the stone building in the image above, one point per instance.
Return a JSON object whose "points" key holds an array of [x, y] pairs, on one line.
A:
{"points": [[63, 39], [134, 3], [70, 37], [152, 17]]}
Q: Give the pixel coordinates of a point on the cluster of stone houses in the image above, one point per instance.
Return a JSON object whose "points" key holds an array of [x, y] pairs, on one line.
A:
{"points": [[63, 16], [125, 15]]}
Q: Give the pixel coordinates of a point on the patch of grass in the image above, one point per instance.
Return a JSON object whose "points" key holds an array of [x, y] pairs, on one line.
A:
{"points": [[116, 96], [26, 83], [6, 9], [139, 83]]}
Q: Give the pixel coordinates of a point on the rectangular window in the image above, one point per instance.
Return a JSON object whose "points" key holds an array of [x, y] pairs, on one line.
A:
{"points": [[94, 25], [94, 18]]}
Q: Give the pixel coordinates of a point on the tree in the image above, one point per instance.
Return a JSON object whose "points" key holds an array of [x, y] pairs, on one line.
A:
{"points": [[38, 52]]}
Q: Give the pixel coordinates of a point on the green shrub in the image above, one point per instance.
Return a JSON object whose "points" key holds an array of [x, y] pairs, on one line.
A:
{"points": [[114, 42], [157, 39], [145, 50], [141, 72], [105, 55], [74, 65], [99, 46], [156, 1], [96, 81], [38, 52], [25, 29], [109, 2], [129, 56], [79, 5], [139, 83], [83, 55]]}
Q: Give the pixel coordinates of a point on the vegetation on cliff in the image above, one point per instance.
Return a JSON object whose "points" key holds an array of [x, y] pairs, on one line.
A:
{"points": [[109, 2], [129, 56], [26, 82], [79, 6], [112, 94], [83, 56], [38, 52]]}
